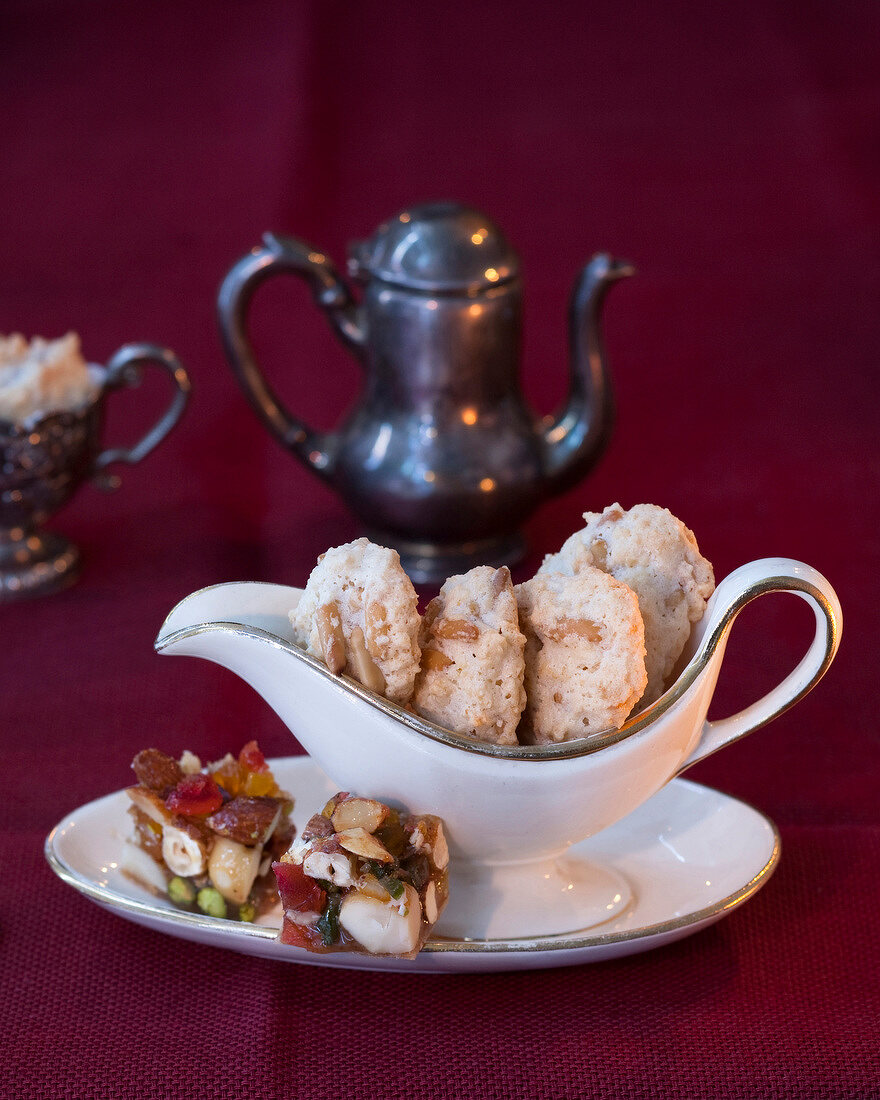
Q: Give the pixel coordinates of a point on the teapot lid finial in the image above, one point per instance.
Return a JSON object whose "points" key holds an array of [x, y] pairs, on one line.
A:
{"points": [[438, 247]]}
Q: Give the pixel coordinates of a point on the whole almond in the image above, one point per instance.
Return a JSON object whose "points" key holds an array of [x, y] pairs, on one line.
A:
{"points": [[359, 813]]}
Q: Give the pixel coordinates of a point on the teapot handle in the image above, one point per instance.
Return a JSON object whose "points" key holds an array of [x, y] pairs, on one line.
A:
{"points": [[733, 593], [284, 255], [124, 370]]}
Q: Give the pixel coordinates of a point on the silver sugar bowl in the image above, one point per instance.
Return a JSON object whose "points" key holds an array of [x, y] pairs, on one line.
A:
{"points": [[44, 461]]}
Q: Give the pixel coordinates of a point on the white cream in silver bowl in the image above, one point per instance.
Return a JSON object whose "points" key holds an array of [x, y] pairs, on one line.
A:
{"points": [[44, 376]]}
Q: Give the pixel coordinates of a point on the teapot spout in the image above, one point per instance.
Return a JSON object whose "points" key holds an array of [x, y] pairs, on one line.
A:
{"points": [[573, 440]]}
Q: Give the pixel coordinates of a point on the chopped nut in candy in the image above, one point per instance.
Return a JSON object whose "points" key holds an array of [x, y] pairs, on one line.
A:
{"points": [[364, 877], [207, 837]]}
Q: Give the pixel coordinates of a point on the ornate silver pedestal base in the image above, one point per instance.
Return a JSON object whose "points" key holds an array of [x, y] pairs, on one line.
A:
{"points": [[35, 564], [432, 563]]}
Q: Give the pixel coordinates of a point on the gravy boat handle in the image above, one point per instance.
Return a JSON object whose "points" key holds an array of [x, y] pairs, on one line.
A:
{"points": [[743, 585]]}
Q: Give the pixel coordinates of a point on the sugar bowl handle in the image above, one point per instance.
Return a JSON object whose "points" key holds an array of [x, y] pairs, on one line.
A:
{"points": [[285, 255], [125, 370], [738, 589]]}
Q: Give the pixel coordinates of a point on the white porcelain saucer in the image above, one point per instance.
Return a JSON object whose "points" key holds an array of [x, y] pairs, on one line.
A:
{"points": [[690, 855]]}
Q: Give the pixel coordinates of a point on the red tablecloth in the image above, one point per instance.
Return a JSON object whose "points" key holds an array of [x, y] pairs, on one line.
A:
{"points": [[730, 152]]}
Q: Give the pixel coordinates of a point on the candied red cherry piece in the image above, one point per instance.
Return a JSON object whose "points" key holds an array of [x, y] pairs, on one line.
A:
{"points": [[297, 890], [299, 894], [195, 796], [300, 936]]}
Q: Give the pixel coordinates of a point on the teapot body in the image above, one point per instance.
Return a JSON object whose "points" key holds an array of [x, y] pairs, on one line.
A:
{"points": [[441, 443]]}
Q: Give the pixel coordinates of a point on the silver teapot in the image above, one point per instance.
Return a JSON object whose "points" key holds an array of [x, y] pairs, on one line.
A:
{"points": [[441, 458]]}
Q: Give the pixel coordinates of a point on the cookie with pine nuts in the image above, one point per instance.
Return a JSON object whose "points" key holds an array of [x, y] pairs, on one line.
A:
{"points": [[653, 552], [584, 654], [471, 676], [359, 614]]}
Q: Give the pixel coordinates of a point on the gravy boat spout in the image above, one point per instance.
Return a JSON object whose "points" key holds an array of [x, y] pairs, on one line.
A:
{"points": [[511, 812]]}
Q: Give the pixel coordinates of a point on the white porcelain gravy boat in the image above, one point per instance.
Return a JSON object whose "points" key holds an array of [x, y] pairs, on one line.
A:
{"points": [[511, 813]]}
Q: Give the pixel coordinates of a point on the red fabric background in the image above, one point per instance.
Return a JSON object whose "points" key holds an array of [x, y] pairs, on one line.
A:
{"points": [[731, 152]]}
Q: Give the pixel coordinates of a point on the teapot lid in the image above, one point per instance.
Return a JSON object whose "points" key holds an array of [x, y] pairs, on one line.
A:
{"points": [[439, 247]]}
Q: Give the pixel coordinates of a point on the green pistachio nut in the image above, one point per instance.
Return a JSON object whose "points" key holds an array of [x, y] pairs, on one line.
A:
{"points": [[181, 891], [211, 902]]}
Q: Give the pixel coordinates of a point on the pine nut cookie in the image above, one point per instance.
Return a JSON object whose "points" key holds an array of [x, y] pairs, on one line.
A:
{"points": [[359, 614], [584, 654], [653, 552], [471, 679]]}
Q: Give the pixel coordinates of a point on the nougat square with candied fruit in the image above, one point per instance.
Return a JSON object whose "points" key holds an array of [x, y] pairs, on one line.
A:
{"points": [[363, 876]]}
